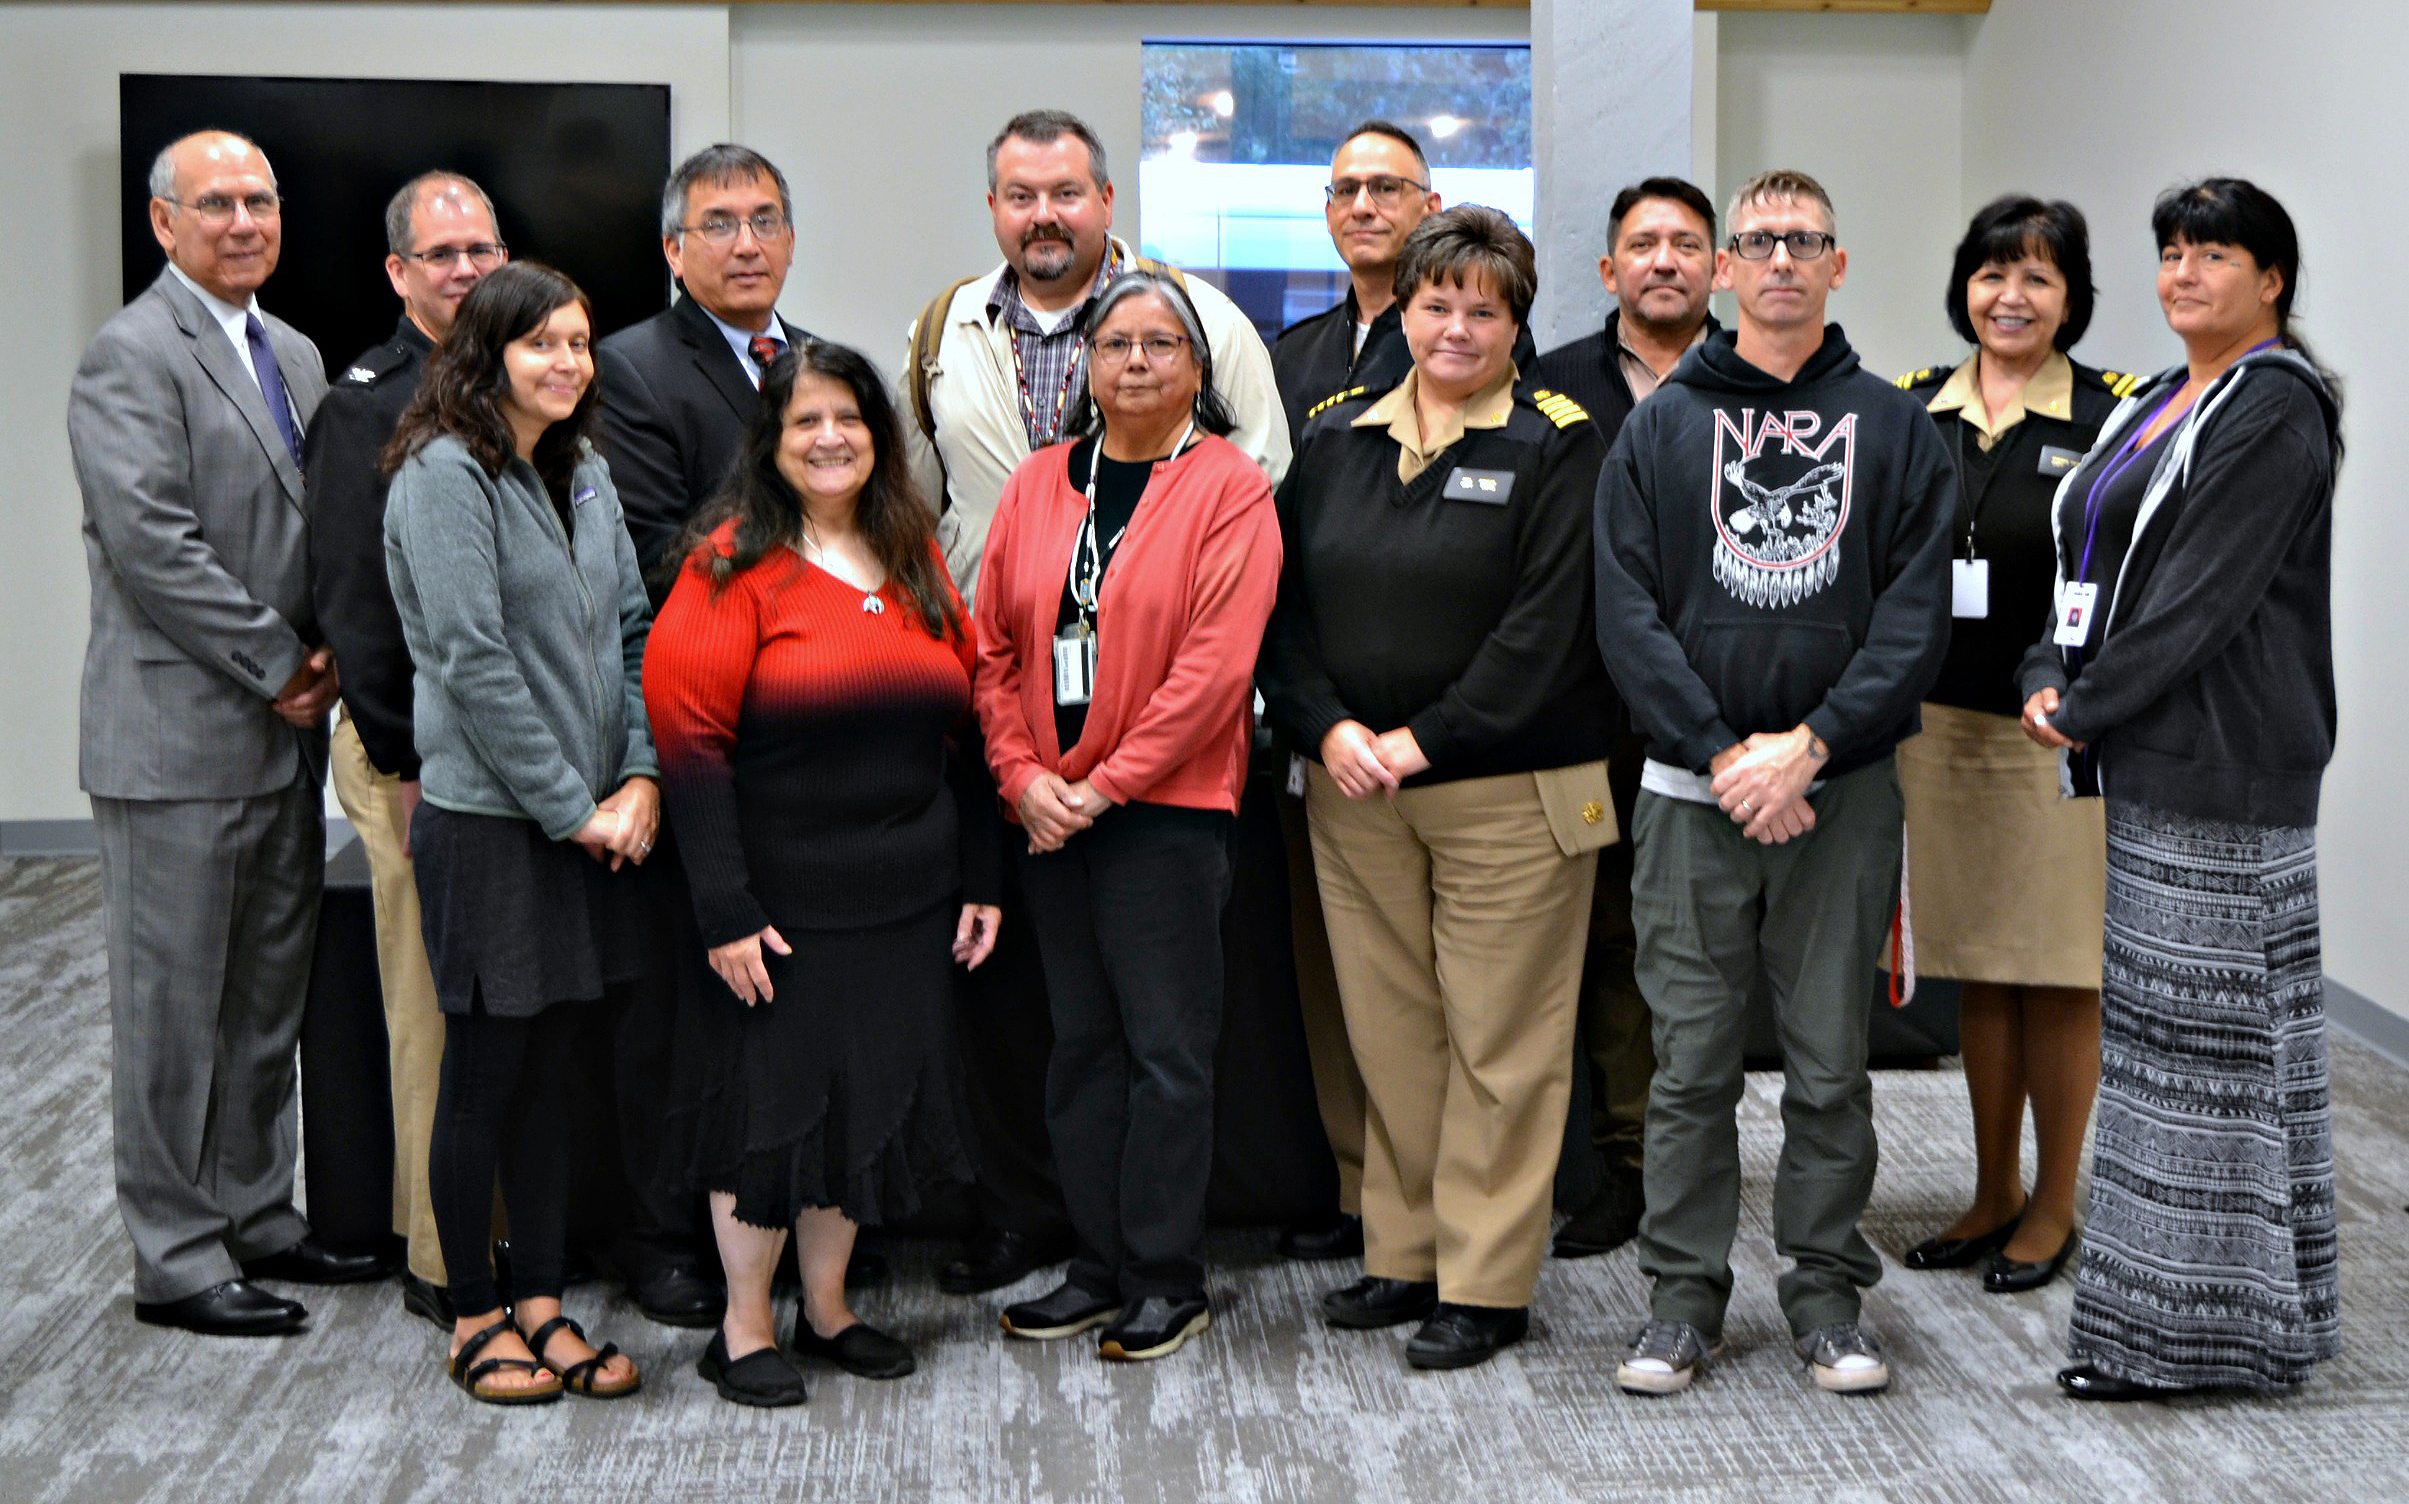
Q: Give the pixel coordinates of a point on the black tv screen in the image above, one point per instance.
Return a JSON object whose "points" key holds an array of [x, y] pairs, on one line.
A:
{"points": [[574, 170]]}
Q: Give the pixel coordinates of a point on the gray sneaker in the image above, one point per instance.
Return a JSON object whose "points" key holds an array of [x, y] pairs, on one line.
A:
{"points": [[1663, 1358], [1845, 1359]]}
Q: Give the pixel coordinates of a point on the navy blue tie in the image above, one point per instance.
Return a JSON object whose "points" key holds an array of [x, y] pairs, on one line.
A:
{"points": [[271, 382]]}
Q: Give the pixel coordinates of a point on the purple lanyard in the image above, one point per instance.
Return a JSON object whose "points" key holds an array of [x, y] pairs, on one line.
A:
{"points": [[2124, 460]]}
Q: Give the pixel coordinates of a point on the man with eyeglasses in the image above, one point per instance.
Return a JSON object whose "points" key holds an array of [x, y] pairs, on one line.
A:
{"points": [[1773, 601], [678, 388], [203, 744], [441, 239]]}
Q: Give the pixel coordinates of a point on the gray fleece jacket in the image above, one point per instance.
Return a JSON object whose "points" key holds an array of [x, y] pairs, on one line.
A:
{"points": [[527, 643]]}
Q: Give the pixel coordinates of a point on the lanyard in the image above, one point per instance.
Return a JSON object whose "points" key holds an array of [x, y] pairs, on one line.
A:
{"points": [[2124, 460], [1975, 499], [1040, 437], [1089, 559]]}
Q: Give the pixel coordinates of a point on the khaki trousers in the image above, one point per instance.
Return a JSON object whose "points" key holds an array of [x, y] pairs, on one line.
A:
{"points": [[1456, 927], [1337, 1084], [413, 1023]]}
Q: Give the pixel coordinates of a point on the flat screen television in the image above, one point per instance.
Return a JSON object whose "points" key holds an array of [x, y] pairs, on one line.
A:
{"points": [[574, 170]]}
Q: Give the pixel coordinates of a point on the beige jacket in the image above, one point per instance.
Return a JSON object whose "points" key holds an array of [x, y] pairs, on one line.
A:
{"points": [[981, 440]]}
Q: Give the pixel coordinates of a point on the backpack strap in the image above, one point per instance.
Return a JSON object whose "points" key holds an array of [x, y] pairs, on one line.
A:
{"points": [[927, 334]]}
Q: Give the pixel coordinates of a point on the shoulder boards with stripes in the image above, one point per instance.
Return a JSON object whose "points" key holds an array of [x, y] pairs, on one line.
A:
{"points": [[1561, 410], [2120, 382], [1335, 398]]}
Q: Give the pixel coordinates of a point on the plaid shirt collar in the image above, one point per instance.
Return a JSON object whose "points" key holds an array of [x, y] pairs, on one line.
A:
{"points": [[1049, 368]]}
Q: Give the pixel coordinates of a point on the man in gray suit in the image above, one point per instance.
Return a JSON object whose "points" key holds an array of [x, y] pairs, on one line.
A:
{"points": [[205, 695]]}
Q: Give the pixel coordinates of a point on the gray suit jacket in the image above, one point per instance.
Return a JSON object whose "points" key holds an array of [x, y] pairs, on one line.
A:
{"points": [[198, 549]]}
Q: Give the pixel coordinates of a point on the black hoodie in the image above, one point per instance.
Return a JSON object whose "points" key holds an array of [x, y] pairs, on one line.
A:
{"points": [[1774, 552]]}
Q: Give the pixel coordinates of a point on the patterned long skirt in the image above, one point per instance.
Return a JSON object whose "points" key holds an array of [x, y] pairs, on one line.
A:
{"points": [[2209, 1251]]}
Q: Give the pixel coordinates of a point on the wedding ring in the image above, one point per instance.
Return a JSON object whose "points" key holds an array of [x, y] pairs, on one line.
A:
{"points": [[1746, 807]]}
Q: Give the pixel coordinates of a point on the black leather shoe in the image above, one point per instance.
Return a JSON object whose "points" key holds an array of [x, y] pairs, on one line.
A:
{"points": [[236, 1308], [310, 1262], [431, 1301], [996, 1258], [677, 1294], [1372, 1302], [2085, 1382], [762, 1377], [1340, 1237], [860, 1349], [1960, 1253], [1155, 1327], [1064, 1311], [2002, 1275], [867, 1267], [1461, 1336], [1605, 1222]]}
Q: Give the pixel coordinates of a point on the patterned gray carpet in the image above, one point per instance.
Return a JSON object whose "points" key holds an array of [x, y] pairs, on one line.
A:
{"points": [[1269, 1406]]}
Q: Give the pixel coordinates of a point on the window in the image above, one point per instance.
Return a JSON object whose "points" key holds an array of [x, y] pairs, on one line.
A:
{"points": [[1238, 140]]}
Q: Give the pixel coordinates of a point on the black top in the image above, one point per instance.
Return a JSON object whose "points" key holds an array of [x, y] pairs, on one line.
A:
{"points": [[2004, 497], [347, 542], [1590, 371], [2119, 497], [1460, 612], [1315, 359], [1119, 486]]}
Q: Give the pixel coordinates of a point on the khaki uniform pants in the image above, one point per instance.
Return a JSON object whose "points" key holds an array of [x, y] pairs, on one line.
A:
{"points": [[413, 1023], [1337, 1084], [1456, 926]]}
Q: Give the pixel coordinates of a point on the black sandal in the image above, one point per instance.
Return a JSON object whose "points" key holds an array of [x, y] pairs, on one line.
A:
{"points": [[580, 1377], [470, 1373]]}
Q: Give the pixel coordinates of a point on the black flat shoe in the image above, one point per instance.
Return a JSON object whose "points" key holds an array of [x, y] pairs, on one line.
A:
{"points": [[432, 1302], [236, 1308], [1155, 1327], [1461, 1336], [861, 1349], [1604, 1223], [761, 1378], [1064, 1311], [1341, 1237], [1960, 1253], [1373, 1302], [678, 1294], [2085, 1382], [310, 1262], [998, 1258], [2002, 1275]]}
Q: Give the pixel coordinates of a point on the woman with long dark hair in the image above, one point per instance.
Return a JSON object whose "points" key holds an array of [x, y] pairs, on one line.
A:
{"points": [[525, 618], [2189, 679], [810, 664]]}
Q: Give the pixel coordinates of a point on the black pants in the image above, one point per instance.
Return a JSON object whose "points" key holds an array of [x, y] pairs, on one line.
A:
{"points": [[661, 1226], [1128, 918], [1005, 1031], [504, 1104]]}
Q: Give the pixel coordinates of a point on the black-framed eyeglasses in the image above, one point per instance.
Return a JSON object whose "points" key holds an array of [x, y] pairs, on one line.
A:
{"points": [[1385, 190], [1804, 245], [218, 208], [485, 255], [1117, 349], [720, 228]]}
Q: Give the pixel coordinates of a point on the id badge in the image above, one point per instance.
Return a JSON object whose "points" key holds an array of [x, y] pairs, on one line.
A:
{"points": [[1296, 775], [1074, 666], [1970, 588], [2075, 604]]}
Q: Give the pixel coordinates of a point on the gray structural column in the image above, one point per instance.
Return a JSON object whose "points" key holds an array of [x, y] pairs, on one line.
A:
{"points": [[1610, 104]]}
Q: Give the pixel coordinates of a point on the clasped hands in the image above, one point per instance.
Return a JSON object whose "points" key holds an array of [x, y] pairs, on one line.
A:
{"points": [[311, 692], [621, 829], [1762, 783], [1363, 762], [1053, 809], [2037, 712]]}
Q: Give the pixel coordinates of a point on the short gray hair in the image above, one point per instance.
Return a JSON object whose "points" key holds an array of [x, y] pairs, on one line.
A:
{"points": [[718, 166], [163, 166], [404, 203], [1212, 414], [1044, 128]]}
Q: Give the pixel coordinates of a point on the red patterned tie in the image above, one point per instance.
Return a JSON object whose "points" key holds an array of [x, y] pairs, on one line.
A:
{"points": [[765, 350]]}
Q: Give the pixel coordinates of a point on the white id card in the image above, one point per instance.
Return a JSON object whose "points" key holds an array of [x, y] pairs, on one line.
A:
{"points": [[2075, 604], [1074, 666], [1970, 588]]}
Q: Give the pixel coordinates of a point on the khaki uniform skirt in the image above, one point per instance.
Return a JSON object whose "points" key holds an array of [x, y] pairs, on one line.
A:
{"points": [[2006, 880]]}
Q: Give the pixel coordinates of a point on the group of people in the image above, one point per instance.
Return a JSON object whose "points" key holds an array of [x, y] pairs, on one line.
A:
{"points": [[851, 762]]}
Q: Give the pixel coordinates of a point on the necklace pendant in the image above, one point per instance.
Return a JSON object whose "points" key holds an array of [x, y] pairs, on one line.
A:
{"points": [[873, 605]]}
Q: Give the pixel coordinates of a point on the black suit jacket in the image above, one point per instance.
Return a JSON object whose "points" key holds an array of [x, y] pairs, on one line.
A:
{"points": [[675, 401]]}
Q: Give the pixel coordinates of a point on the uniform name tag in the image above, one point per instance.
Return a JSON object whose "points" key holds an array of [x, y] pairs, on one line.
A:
{"points": [[2075, 604], [1488, 486], [2057, 461], [1970, 588]]}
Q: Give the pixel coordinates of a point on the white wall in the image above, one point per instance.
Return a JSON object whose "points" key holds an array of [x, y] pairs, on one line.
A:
{"points": [[2138, 96]]}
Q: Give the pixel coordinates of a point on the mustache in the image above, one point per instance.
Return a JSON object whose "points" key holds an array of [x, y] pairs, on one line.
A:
{"points": [[1039, 233]]}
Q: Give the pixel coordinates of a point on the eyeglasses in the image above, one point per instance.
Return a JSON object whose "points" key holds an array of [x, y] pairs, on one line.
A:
{"points": [[218, 208], [485, 255], [1116, 349], [1386, 191], [1757, 245], [720, 229]]}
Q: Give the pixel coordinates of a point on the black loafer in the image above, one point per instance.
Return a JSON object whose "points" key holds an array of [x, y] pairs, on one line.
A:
{"points": [[1373, 1302], [1604, 1223], [1461, 1336], [677, 1294], [1155, 1327], [761, 1378], [431, 1301], [1341, 1237], [2002, 1275], [998, 1258], [310, 1262], [236, 1308], [1960, 1253], [2085, 1382], [1064, 1311], [860, 1349]]}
